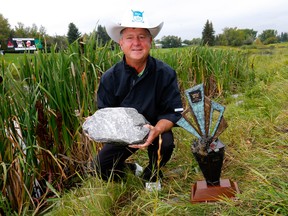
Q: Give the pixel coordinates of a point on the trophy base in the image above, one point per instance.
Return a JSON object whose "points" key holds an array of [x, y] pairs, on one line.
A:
{"points": [[203, 193]]}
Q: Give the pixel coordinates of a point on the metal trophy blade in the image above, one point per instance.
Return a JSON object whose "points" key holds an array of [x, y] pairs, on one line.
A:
{"points": [[204, 119]]}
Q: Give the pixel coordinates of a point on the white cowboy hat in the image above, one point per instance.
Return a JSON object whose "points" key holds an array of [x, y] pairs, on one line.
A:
{"points": [[132, 19]]}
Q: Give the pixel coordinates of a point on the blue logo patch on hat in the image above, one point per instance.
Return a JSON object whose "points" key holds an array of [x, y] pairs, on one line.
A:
{"points": [[137, 16]]}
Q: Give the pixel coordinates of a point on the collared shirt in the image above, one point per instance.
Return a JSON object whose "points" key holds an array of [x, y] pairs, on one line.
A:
{"points": [[141, 73], [155, 94]]}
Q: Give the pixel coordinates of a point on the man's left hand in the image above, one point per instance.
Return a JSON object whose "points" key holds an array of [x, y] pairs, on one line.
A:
{"points": [[161, 126], [152, 135]]}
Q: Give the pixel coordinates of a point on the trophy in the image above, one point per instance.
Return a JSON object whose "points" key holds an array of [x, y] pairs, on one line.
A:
{"points": [[204, 119]]}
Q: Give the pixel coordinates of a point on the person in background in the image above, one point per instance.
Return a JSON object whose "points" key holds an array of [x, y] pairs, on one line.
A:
{"points": [[145, 83]]}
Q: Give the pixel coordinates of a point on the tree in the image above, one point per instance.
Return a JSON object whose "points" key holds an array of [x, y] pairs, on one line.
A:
{"points": [[42, 32], [236, 37], [249, 36], [268, 36], [171, 41], [5, 31], [33, 31], [73, 33], [61, 42], [21, 31], [102, 35], [196, 41], [208, 32], [283, 37]]}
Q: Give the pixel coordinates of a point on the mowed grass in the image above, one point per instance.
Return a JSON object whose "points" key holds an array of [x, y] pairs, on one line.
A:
{"points": [[12, 57]]}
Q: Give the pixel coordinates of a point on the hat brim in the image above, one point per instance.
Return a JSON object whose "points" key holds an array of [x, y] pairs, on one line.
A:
{"points": [[113, 30]]}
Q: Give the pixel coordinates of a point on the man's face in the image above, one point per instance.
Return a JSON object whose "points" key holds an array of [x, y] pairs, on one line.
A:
{"points": [[135, 43]]}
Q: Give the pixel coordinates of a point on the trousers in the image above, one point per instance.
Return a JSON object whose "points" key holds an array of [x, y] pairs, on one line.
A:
{"points": [[110, 161]]}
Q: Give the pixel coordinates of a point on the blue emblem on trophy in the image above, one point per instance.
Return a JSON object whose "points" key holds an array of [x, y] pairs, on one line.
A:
{"points": [[204, 119]]}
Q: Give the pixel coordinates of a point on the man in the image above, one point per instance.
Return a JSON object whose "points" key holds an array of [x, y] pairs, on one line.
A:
{"points": [[146, 84]]}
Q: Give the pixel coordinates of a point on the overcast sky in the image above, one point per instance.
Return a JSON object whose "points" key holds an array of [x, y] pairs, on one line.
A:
{"points": [[182, 18]]}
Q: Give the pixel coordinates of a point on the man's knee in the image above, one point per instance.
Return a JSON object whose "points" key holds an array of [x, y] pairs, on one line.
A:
{"points": [[110, 161], [167, 142]]}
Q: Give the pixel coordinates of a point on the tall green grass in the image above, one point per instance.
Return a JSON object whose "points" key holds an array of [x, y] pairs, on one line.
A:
{"points": [[221, 70], [43, 104], [45, 98]]}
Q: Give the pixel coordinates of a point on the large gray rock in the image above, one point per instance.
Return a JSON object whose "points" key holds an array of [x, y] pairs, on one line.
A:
{"points": [[118, 125]]}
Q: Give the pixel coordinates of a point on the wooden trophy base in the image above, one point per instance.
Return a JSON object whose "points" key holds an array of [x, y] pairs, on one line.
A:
{"points": [[203, 193]]}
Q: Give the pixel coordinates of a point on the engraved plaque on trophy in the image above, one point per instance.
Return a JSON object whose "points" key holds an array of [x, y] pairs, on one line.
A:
{"points": [[204, 119]]}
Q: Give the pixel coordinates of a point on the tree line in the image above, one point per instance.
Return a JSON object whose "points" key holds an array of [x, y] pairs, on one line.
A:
{"points": [[240, 37], [229, 36]]}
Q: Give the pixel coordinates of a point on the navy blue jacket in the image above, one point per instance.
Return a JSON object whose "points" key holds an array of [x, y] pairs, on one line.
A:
{"points": [[155, 94]]}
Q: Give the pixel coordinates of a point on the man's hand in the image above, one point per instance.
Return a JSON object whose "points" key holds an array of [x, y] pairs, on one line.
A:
{"points": [[151, 136], [162, 126]]}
